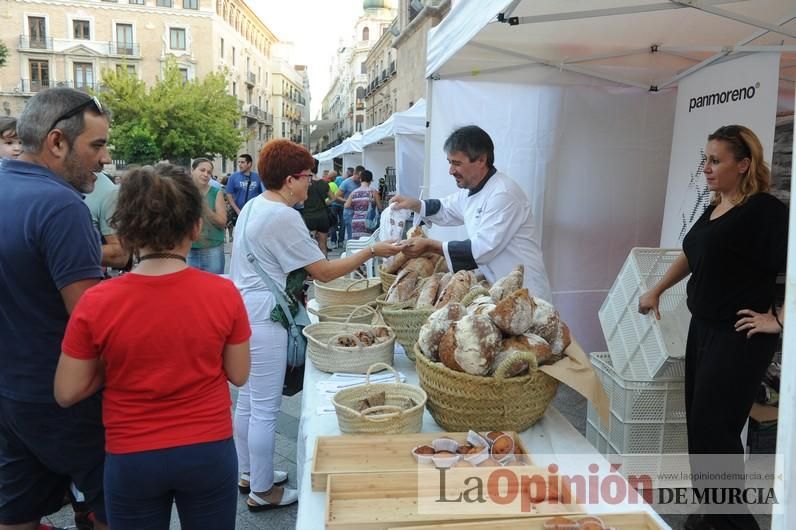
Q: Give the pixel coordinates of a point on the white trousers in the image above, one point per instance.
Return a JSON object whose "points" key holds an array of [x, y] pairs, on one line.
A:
{"points": [[259, 402]]}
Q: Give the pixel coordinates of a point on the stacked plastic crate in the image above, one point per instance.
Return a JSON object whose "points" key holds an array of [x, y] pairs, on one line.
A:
{"points": [[643, 370]]}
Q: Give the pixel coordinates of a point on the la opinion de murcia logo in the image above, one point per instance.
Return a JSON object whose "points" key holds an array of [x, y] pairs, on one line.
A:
{"points": [[718, 98]]}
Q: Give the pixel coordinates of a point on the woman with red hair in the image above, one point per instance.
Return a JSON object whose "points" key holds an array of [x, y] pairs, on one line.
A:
{"points": [[275, 234]]}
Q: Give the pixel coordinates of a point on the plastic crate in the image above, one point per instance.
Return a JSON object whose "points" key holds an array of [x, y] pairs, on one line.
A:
{"points": [[666, 470], [658, 400], [641, 346]]}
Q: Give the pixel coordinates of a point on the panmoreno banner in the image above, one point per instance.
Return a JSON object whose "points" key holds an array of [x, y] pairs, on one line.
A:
{"points": [[741, 91]]}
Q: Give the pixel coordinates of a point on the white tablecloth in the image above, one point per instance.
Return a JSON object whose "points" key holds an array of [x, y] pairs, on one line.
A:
{"points": [[547, 440]]}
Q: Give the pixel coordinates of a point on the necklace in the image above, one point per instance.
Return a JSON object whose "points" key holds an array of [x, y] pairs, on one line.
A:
{"points": [[162, 255]]}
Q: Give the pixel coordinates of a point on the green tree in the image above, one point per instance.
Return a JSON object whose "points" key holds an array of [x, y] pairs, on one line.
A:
{"points": [[182, 119], [3, 54]]}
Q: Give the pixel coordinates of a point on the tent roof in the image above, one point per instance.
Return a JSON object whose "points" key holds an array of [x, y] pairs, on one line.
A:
{"points": [[352, 144], [643, 43], [410, 121]]}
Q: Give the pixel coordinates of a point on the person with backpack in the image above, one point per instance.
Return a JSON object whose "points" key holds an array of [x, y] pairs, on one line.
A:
{"points": [[361, 201]]}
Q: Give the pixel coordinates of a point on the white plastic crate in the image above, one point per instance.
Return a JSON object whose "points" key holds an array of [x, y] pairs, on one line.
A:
{"points": [[641, 346], [658, 400], [666, 470], [641, 437]]}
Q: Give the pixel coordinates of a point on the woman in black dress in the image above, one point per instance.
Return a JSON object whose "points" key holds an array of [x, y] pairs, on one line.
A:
{"points": [[733, 253]]}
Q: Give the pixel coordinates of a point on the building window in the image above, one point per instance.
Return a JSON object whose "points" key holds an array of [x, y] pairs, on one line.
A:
{"points": [[190, 4], [83, 75], [124, 39], [81, 29], [177, 38], [164, 3], [38, 32], [233, 56], [234, 88], [362, 68], [222, 48], [184, 74], [137, 2], [129, 68], [39, 75], [366, 34]]}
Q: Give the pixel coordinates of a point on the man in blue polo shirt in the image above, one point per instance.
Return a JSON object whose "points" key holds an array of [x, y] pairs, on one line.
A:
{"points": [[49, 255], [242, 186]]}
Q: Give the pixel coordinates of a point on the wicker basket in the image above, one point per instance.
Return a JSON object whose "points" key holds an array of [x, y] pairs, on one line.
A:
{"points": [[353, 314], [387, 279], [405, 322], [345, 291], [401, 413], [459, 401], [330, 358]]}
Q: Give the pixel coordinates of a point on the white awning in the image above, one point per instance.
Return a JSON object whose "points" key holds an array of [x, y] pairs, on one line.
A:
{"points": [[410, 121]]}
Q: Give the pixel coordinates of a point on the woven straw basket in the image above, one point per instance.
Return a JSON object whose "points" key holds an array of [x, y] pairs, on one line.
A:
{"points": [[345, 291], [386, 279], [405, 322], [362, 314], [328, 357], [401, 413], [459, 401]]}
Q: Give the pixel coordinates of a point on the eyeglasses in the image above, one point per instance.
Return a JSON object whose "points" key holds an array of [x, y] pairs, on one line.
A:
{"points": [[77, 110], [298, 175]]}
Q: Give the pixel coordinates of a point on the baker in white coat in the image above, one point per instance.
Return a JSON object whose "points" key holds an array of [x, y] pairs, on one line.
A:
{"points": [[493, 209]]}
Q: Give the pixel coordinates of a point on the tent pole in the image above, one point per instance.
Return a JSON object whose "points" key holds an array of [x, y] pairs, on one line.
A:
{"points": [[427, 147], [702, 6]]}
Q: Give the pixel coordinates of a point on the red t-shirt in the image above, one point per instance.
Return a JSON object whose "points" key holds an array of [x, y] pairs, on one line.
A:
{"points": [[161, 340]]}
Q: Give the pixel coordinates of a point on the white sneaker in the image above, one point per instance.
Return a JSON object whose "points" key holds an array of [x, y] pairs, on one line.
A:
{"points": [[258, 504]]}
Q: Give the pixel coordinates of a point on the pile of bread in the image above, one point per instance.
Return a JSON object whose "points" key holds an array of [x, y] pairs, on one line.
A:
{"points": [[474, 330], [419, 280], [364, 337]]}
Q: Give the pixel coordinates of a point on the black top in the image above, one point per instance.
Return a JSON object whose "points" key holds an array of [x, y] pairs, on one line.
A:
{"points": [[315, 205], [734, 259]]}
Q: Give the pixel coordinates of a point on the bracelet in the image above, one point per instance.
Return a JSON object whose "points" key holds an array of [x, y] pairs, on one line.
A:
{"points": [[373, 252]]}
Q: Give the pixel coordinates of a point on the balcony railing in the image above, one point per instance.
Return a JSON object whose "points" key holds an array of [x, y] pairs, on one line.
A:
{"points": [[80, 85], [118, 48], [251, 78], [128, 49], [26, 42], [26, 85]]}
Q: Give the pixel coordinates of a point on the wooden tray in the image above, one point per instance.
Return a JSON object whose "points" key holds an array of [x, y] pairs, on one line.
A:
{"points": [[375, 453], [379, 501], [619, 521]]}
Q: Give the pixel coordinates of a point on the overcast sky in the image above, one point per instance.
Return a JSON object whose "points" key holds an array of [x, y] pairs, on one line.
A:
{"points": [[315, 27]]}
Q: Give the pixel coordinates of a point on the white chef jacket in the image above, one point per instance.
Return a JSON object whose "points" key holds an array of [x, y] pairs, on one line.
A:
{"points": [[502, 233]]}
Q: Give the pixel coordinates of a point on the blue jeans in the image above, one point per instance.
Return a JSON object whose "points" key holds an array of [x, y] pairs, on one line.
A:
{"points": [[348, 217], [207, 259], [338, 232], [201, 479]]}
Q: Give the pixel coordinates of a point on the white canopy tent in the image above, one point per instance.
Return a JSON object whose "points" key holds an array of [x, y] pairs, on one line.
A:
{"points": [[579, 99], [399, 143], [349, 149]]}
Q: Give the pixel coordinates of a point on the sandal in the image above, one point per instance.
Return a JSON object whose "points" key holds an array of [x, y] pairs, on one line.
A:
{"points": [[280, 477], [255, 503]]}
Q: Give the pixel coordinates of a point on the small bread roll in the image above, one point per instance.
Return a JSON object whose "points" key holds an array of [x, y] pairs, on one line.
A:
{"points": [[416, 231], [545, 320], [403, 287], [470, 345], [456, 289], [508, 284], [514, 314], [438, 323]]}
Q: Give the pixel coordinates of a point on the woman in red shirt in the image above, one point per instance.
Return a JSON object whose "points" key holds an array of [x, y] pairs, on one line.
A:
{"points": [[163, 340]]}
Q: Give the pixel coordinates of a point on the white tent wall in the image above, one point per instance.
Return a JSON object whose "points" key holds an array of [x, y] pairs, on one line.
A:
{"points": [[377, 157], [592, 160], [409, 160], [325, 165], [351, 160]]}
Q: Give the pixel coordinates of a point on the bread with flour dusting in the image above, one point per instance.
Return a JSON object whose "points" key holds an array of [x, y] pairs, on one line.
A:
{"points": [[470, 345]]}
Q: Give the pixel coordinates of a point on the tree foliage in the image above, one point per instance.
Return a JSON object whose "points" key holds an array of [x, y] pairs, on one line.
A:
{"points": [[173, 119]]}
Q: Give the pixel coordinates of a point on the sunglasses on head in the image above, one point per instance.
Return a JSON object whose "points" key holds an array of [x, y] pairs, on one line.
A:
{"points": [[92, 101]]}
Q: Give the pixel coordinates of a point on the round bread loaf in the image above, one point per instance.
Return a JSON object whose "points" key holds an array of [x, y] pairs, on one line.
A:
{"points": [[545, 320], [514, 314], [436, 326], [471, 345]]}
